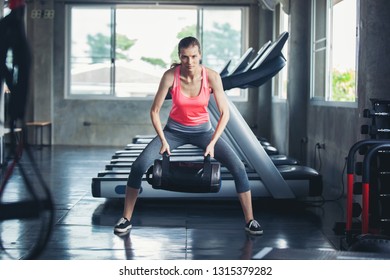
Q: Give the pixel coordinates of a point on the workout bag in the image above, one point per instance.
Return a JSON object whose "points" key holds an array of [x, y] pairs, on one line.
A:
{"points": [[185, 176]]}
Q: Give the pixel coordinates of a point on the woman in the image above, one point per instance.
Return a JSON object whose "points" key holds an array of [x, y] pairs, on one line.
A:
{"points": [[190, 85]]}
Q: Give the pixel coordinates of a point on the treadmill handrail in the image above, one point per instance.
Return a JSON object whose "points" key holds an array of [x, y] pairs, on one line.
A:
{"points": [[254, 152]]}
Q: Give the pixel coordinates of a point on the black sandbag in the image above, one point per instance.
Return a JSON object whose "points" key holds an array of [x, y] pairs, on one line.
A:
{"points": [[185, 176]]}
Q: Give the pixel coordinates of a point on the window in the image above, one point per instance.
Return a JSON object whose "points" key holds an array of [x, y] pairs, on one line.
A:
{"points": [[333, 53], [122, 51], [281, 20], [343, 50]]}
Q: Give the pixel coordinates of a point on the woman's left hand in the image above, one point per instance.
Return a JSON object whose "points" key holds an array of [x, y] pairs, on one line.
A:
{"points": [[209, 150]]}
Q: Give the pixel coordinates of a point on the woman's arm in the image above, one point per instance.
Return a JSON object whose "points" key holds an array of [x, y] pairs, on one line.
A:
{"points": [[165, 84], [215, 83]]}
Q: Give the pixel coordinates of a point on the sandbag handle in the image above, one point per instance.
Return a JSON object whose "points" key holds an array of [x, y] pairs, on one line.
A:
{"points": [[165, 169], [207, 162], [207, 159], [207, 167]]}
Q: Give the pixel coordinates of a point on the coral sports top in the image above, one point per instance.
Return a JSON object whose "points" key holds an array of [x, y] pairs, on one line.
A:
{"points": [[190, 111]]}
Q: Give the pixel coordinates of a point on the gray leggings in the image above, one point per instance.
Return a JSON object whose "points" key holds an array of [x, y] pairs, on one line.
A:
{"points": [[223, 153]]}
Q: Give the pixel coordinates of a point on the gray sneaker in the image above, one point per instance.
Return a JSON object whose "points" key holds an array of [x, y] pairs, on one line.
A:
{"points": [[123, 225]]}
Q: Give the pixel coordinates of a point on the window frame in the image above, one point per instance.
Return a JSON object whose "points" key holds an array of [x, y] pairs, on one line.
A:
{"points": [[324, 98], [277, 85], [68, 11]]}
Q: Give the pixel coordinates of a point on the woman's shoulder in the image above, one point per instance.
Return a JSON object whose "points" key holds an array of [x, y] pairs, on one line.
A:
{"points": [[212, 74], [169, 73], [167, 78]]}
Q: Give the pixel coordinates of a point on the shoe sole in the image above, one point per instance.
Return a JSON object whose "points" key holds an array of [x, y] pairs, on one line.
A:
{"points": [[254, 232], [122, 230]]}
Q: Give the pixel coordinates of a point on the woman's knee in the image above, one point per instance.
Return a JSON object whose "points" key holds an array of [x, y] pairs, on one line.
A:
{"points": [[136, 173], [241, 178], [134, 180], [242, 187], [238, 168], [133, 187]]}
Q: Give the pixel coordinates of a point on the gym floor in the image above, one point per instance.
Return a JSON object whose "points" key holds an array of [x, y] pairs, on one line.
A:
{"points": [[162, 229]]}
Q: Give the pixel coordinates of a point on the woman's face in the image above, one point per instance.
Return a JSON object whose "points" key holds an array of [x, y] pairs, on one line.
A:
{"points": [[190, 57]]}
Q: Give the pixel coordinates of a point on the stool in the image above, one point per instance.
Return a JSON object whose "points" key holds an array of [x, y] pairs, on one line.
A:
{"points": [[38, 126]]}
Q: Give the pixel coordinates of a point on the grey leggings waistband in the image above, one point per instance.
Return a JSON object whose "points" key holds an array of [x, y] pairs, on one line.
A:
{"points": [[188, 129]]}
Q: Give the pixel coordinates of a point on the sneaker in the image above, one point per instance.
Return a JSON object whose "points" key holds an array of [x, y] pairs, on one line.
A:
{"points": [[123, 225], [253, 227]]}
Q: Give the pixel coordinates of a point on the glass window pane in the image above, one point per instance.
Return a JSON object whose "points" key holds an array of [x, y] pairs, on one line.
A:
{"points": [[320, 73], [343, 51], [222, 37], [144, 54], [222, 40], [320, 22], [319, 49], [280, 81], [284, 72], [90, 51], [123, 51]]}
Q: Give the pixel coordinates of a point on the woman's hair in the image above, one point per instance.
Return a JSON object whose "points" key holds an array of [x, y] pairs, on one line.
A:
{"points": [[188, 42], [184, 43]]}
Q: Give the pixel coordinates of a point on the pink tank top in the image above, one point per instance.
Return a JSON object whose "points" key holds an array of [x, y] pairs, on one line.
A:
{"points": [[186, 110]]}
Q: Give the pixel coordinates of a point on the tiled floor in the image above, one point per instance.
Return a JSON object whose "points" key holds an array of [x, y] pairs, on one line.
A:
{"points": [[162, 229]]}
